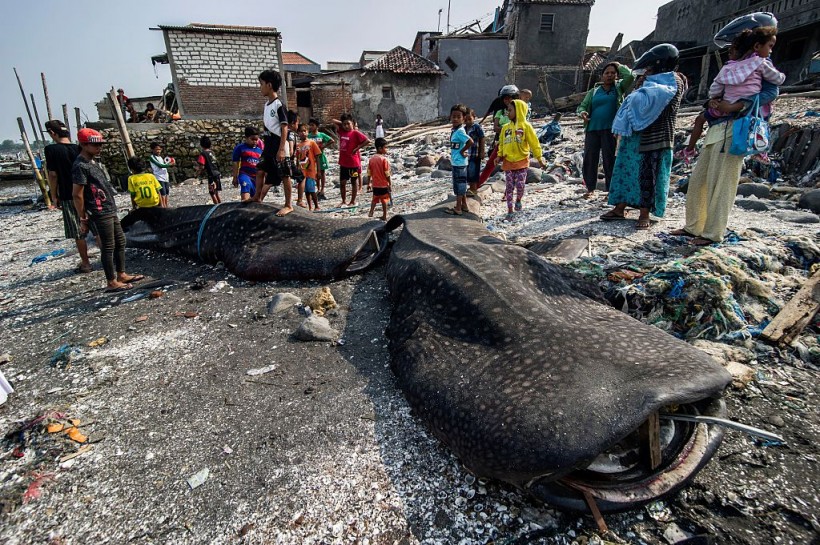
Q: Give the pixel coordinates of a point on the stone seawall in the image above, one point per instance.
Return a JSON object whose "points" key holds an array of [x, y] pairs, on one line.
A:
{"points": [[181, 141]]}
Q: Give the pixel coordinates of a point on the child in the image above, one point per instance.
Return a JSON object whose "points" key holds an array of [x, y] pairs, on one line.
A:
{"points": [[526, 96], [378, 168], [460, 145], [143, 186], [350, 162], [739, 79], [246, 157], [308, 152], [516, 142], [207, 164], [476, 134], [160, 167], [379, 126], [322, 140], [273, 169], [295, 170]]}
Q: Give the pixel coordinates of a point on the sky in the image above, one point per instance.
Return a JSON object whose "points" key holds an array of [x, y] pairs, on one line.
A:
{"points": [[85, 48]]}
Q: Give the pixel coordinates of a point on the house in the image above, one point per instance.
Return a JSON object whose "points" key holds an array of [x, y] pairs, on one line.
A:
{"points": [[369, 56], [336, 66], [401, 86], [296, 62], [692, 24], [215, 68], [535, 44]]}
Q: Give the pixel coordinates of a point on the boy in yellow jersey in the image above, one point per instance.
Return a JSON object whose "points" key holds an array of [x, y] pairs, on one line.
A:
{"points": [[143, 186]]}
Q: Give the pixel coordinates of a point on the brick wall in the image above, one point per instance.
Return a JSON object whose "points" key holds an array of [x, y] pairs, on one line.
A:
{"points": [[330, 101], [291, 98], [217, 73]]}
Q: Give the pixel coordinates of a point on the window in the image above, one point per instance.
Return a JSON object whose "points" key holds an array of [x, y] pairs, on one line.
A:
{"points": [[451, 64], [387, 92], [547, 22]]}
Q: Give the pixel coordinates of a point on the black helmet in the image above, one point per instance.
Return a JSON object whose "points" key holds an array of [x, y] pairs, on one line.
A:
{"points": [[508, 91], [661, 58], [727, 34]]}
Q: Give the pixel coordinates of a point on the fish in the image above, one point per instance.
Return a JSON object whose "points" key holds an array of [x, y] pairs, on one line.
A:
{"points": [[256, 244], [527, 377]]}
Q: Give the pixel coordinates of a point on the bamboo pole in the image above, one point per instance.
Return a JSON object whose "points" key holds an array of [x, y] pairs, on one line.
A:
{"points": [[40, 129], [28, 110], [126, 139], [45, 93], [37, 174], [65, 120]]}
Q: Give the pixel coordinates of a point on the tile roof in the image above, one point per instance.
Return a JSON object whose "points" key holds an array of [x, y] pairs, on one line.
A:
{"points": [[402, 61], [222, 29], [294, 57]]}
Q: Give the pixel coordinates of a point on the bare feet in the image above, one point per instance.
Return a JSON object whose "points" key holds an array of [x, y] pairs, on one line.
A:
{"points": [[303, 205], [681, 233], [284, 211], [84, 268], [115, 286], [352, 203]]}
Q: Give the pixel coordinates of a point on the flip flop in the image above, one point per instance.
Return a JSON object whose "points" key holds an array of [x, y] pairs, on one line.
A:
{"points": [[612, 216], [135, 278], [451, 211], [126, 287], [700, 241], [84, 269], [643, 224]]}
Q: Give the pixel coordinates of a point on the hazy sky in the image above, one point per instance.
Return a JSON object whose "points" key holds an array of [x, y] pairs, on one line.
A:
{"points": [[85, 47]]}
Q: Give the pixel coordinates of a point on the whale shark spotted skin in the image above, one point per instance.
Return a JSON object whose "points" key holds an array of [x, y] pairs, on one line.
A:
{"points": [[510, 360], [255, 244], [512, 367]]}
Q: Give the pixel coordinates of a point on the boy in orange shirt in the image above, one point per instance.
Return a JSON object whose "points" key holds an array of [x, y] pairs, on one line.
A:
{"points": [[308, 152], [379, 171]]}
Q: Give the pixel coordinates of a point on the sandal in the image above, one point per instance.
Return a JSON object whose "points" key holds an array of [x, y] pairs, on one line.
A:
{"points": [[681, 233], [700, 241], [84, 269], [133, 278], [125, 287], [518, 206], [611, 216], [589, 195], [642, 224]]}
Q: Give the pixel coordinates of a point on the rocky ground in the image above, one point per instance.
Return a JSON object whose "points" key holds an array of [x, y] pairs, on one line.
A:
{"points": [[320, 446]]}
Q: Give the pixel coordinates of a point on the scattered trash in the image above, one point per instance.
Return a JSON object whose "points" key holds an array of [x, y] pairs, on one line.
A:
{"points": [[261, 370], [322, 301], [5, 388], [198, 479], [227, 450], [47, 256], [5, 358], [35, 487], [142, 318], [65, 355], [85, 449], [98, 342], [188, 314], [156, 294], [135, 297], [219, 286]]}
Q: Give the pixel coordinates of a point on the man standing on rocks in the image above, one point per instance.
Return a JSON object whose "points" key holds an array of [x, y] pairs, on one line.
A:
{"points": [[60, 157]]}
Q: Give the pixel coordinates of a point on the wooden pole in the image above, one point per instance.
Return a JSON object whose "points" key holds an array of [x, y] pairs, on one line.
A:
{"points": [[40, 129], [126, 139], [28, 110], [40, 181], [65, 120], [77, 118], [704, 75], [45, 93]]}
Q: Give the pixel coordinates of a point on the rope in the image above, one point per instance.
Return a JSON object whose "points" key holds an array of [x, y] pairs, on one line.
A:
{"points": [[202, 230]]}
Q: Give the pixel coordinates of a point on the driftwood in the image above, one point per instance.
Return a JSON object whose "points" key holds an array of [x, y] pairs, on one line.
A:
{"points": [[421, 132], [796, 315], [568, 102]]}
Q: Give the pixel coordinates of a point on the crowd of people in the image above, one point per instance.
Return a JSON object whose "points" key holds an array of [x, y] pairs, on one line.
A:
{"points": [[629, 125]]}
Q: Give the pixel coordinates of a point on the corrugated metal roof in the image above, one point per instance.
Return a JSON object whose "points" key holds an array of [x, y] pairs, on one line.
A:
{"points": [[222, 29], [400, 60]]}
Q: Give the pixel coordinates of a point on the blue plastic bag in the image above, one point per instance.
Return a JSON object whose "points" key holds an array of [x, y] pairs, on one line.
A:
{"points": [[750, 133]]}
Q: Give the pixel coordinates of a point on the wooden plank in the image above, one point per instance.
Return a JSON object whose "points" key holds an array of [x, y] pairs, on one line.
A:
{"points": [[596, 513], [568, 249], [796, 315], [650, 437], [812, 152]]}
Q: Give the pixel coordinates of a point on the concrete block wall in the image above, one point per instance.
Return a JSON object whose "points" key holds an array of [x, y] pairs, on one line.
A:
{"points": [[217, 74]]}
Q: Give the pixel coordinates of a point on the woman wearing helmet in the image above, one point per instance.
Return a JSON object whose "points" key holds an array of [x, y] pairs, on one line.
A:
{"points": [[646, 124], [598, 109], [498, 109]]}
